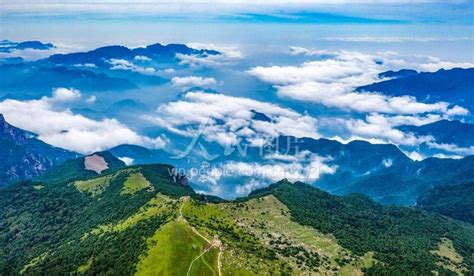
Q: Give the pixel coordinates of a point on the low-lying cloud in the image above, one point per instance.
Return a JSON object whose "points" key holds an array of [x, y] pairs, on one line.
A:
{"points": [[226, 119], [192, 81], [62, 128]]}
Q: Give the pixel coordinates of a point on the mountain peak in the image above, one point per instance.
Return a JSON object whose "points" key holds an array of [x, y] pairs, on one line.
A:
{"points": [[2, 119]]}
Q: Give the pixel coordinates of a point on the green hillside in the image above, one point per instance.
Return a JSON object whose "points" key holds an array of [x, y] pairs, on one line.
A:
{"points": [[145, 220], [452, 201]]}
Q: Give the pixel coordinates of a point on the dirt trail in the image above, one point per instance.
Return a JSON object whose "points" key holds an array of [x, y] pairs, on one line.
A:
{"points": [[216, 242]]}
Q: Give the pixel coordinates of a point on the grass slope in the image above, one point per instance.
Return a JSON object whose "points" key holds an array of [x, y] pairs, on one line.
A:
{"points": [[171, 250]]}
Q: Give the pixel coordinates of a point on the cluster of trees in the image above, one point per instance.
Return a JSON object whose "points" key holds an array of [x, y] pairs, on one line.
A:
{"points": [[310, 259]]}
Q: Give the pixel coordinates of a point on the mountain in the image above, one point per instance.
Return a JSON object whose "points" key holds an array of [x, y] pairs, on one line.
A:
{"points": [[398, 74], [452, 201], [453, 86], [128, 105], [445, 132], [38, 79], [402, 185], [401, 239], [23, 156], [380, 171], [140, 155], [354, 159], [146, 220], [7, 46], [100, 56], [82, 167], [358, 156]]}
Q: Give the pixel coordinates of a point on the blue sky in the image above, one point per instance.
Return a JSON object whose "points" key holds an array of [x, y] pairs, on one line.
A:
{"points": [[395, 24]]}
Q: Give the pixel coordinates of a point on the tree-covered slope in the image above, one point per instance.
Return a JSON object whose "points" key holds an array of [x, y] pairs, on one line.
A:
{"points": [[452, 201], [77, 168], [403, 239], [44, 227]]}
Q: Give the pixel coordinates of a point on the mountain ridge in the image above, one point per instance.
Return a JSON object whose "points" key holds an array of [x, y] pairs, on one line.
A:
{"points": [[24, 156]]}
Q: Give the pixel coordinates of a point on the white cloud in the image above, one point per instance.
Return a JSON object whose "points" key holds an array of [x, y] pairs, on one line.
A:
{"points": [[227, 56], [178, 7], [304, 166], [378, 128], [396, 39], [91, 99], [227, 118], [34, 54], [249, 186], [65, 95], [191, 81], [415, 156], [230, 52], [301, 51], [387, 162], [452, 148], [64, 129], [444, 156], [332, 80], [142, 58], [308, 169], [85, 65], [127, 160], [122, 64]]}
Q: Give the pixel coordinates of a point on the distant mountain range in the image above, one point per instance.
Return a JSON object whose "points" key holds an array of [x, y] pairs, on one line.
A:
{"points": [[32, 80], [403, 184], [156, 52], [23, 156], [110, 68], [7, 46], [380, 171], [453, 86], [445, 132], [141, 155]]}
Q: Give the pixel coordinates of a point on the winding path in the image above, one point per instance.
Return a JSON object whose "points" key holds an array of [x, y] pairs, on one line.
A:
{"points": [[214, 243]]}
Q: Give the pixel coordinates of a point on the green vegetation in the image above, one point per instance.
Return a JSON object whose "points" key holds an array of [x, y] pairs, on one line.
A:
{"points": [[206, 264], [60, 220], [305, 248], [74, 169], [145, 220], [33, 262], [95, 186], [401, 238], [171, 250], [450, 259], [156, 207], [452, 201], [135, 183], [85, 267]]}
